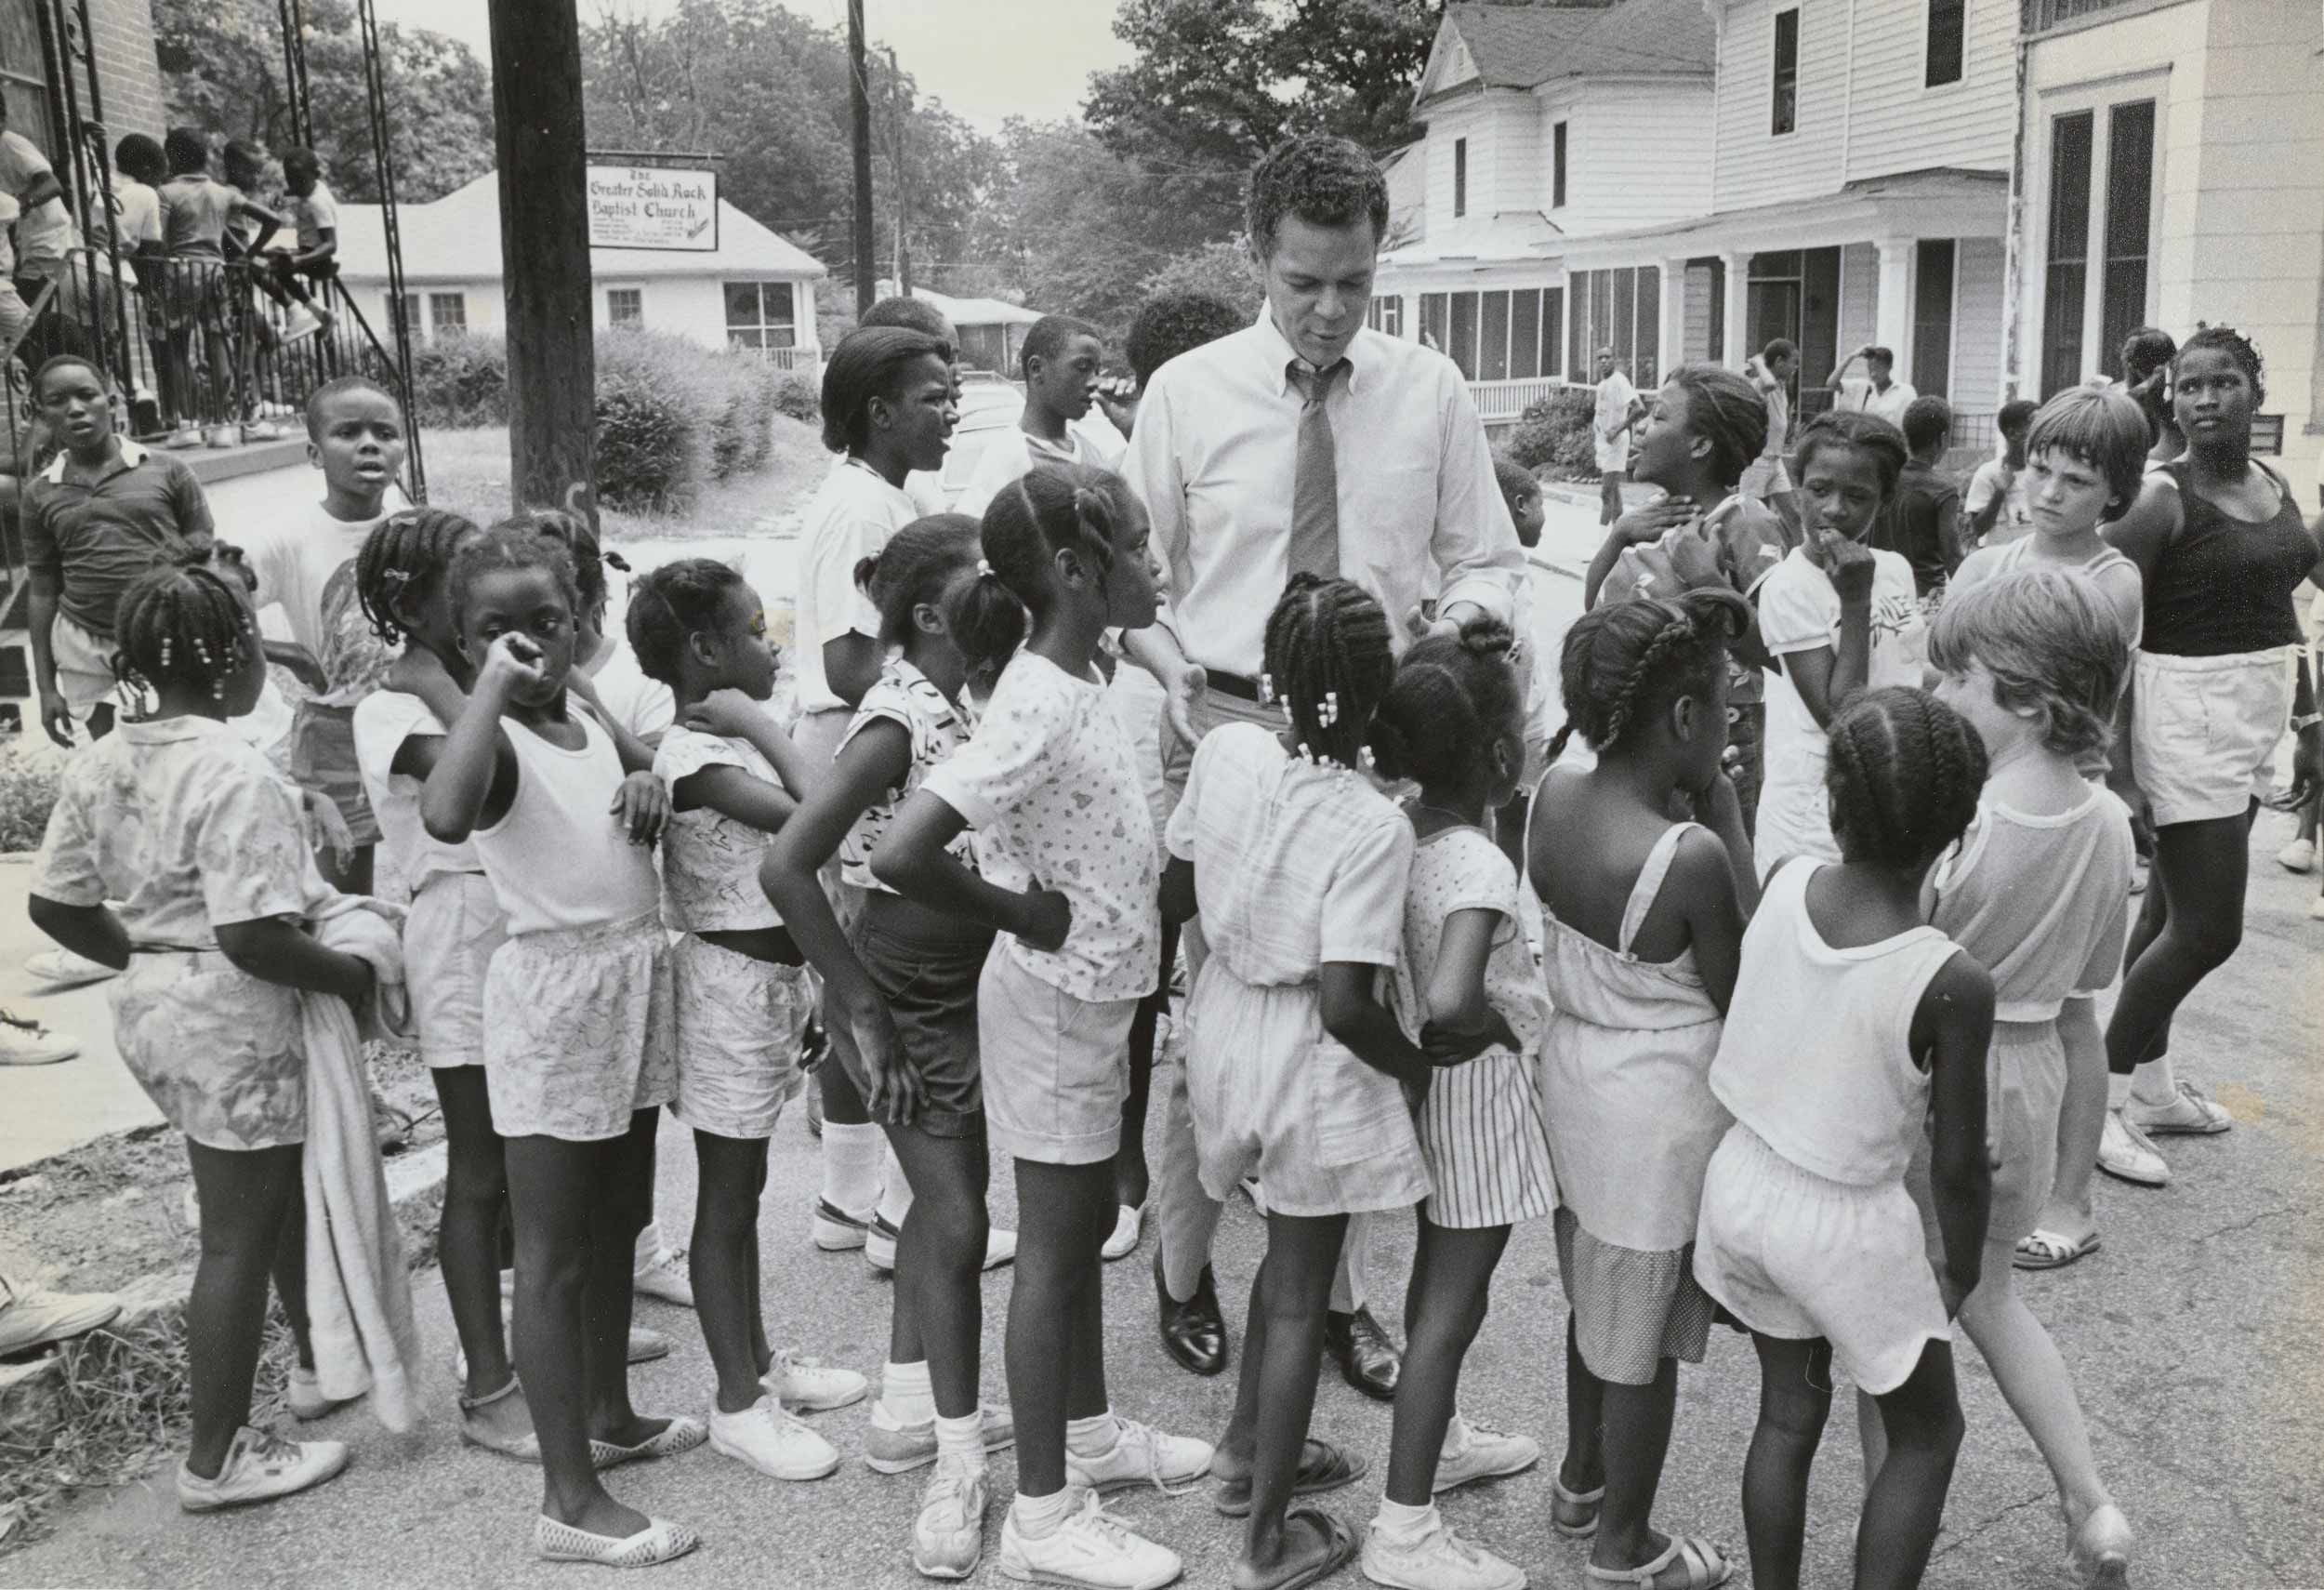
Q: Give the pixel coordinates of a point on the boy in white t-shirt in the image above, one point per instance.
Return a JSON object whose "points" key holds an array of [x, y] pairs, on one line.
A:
{"points": [[314, 213], [1839, 617], [1995, 501], [1618, 408], [1061, 364]]}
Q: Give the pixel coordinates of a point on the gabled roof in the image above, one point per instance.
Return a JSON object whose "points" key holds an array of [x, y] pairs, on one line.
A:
{"points": [[1522, 47], [966, 312], [458, 239]]}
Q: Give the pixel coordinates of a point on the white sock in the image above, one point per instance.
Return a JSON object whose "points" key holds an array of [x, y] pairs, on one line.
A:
{"points": [[961, 1438], [1038, 1516], [903, 1392], [2117, 1091], [1400, 1522], [2154, 1082], [851, 1167], [1093, 1437], [895, 1188]]}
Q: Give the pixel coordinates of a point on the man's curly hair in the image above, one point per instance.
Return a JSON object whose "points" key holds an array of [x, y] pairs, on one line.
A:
{"points": [[1171, 324], [1323, 180]]}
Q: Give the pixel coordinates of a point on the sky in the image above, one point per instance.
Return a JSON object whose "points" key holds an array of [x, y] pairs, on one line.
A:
{"points": [[986, 59]]}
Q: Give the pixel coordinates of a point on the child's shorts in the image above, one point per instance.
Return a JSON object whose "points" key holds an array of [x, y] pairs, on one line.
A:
{"points": [[1633, 1308], [1055, 1068], [455, 926], [926, 966], [219, 1051], [2024, 1089], [739, 1022], [1272, 1095], [1796, 1256], [323, 759], [1793, 819], [579, 1030], [2203, 731]]}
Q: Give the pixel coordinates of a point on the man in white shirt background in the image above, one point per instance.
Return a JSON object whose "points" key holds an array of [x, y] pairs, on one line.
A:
{"points": [[1619, 407], [1877, 391], [1304, 442]]}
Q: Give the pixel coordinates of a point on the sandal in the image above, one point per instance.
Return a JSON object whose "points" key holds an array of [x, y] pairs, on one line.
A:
{"points": [[1339, 1549], [1322, 1467], [660, 1540], [1699, 1564], [2047, 1251], [682, 1434], [524, 1449], [1574, 1512]]}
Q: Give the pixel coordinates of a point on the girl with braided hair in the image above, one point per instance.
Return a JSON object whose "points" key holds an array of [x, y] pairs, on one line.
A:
{"points": [[1065, 875], [1455, 719], [1644, 916], [1295, 1067], [183, 822], [1807, 1233]]}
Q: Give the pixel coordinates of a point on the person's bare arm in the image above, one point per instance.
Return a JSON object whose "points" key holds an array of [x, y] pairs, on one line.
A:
{"points": [[475, 777], [94, 933], [913, 861], [1951, 1031], [274, 949], [851, 666], [1714, 875], [732, 713], [40, 619], [1179, 903]]}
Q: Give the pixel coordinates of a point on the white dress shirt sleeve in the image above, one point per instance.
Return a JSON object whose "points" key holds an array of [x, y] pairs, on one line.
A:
{"points": [[1152, 471], [1475, 544]]}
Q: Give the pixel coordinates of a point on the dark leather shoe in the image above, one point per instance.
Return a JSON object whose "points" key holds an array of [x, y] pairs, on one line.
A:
{"points": [[1369, 1356], [1192, 1331]]}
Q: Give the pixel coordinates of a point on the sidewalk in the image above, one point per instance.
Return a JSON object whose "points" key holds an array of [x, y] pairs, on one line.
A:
{"points": [[46, 1109]]}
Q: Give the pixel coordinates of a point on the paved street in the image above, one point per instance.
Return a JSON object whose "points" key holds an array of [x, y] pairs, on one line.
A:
{"points": [[2192, 1335]]}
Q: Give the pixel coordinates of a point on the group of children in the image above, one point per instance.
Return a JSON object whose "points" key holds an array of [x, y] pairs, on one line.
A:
{"points": [[956, 836]]}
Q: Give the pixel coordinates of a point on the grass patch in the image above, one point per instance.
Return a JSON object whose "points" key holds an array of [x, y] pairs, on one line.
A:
{"points": [[468, 471]]}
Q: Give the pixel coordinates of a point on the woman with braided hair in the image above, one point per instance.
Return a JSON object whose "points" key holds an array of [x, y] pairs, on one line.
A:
{"points": [[183, 822], [1644, 922]]}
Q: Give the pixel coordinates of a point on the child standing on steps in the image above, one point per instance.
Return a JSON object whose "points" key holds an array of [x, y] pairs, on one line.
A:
{"points": [[184, 822], [1067, 854], [1645, 921], [735, 778], [578, 1039], [904, 980], [1807, 1233], [1455, 719]]}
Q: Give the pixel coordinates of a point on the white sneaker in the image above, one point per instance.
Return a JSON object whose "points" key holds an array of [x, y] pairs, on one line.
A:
{"points": [[2315, 910], [60, 968], [772, 1441], [1437, 1560], [2128, 1154], [29, 1318], [1141, 1456], [2297, 856], [1129, 1224], [809, 1385], [27, 1042], [260, 1466], [834, 1229], [948, 1535], [665, 1278], [299, 323], [1092, 1548], [891, 1446], [1477, 1451], [879, 1246], [2189, 1113]]}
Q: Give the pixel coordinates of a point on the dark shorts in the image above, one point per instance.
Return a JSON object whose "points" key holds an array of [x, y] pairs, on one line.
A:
{"points": [[323, 759], [926, 966]]}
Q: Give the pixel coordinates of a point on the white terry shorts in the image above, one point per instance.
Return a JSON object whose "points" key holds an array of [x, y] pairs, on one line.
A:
{"points": [[455, 926], [1056, 1068], [739, 1022], [84, 665], [579, 1032], [2203, 730], [1796, 1256]]}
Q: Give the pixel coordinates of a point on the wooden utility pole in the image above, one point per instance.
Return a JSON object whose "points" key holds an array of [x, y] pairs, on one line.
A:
{"points": [[859, 127], [903, 186], [538, 137]]}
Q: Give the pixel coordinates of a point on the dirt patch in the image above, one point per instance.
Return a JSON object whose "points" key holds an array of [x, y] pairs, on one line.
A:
{"points": [[95, 1217]]}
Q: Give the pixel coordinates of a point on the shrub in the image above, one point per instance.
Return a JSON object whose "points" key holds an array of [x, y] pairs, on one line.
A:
{"points": [[28, 792], [461, 382], [659, 402], [799, 397], [1556, 431]]}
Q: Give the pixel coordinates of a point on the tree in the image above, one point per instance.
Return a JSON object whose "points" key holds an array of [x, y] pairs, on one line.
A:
{"points": [[1222, 270]]}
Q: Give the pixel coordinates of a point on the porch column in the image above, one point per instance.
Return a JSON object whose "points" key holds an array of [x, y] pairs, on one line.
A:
{"points": [[1673, 354], [1892, 313], [1736, 270]]}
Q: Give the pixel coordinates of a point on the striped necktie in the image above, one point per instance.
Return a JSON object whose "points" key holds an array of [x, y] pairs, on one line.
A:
{"points": [[1316, 488]]}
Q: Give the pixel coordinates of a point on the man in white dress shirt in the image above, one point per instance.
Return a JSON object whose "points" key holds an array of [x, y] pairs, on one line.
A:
{"points": [[1304, 442]]}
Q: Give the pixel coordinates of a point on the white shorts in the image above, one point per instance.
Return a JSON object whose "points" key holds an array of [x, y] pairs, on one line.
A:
{"points": [[739, 1021], [578, 1030], [84, 665], [1793, 819], [1613, 457], [455, 926], [2203, 731], [1796, 1256], [1056, 1068]]}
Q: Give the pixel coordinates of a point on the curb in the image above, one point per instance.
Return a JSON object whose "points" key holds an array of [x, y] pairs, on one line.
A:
{"points": [[33, 1398]]}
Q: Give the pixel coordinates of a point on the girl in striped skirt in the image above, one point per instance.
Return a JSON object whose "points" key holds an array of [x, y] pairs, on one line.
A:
{"points": [[1455, 719]]}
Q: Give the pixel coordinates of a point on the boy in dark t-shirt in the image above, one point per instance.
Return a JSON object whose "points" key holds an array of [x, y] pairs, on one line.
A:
{"points": [[1923, 519]]}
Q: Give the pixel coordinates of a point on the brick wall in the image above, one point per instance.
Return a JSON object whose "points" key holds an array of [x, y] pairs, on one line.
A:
{"points": [[127, 72]]}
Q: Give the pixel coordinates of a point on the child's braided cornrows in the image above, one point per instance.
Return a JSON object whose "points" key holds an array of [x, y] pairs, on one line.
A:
{"points": [[1626, 661], [2235, 345], [671, 603], [403, 560], [516, 543], [1047, 511], [1904, 777], [182, 624], [1329, 664], [1454, 697]]}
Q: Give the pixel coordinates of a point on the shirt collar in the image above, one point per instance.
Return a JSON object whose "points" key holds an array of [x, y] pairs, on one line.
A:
{"points": [[132, 454], [1279, 353], [167, 731]]}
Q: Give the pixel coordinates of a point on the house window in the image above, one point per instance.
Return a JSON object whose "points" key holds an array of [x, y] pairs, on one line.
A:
{"points": [[1933, 316], [1557, 167], [2130, 195], [1786, 82], [448, 312], [1461, 177], [624, 306], [1621, 309], [2065, 279], [1502, 335], [1386, 315], [1947, 22], [759, 317]]}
